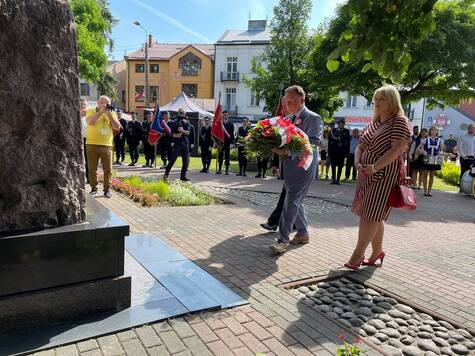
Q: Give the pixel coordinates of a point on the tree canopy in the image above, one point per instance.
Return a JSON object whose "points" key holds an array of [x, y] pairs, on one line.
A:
{"points": [[94, 23], [286, 55], [441, 66]]}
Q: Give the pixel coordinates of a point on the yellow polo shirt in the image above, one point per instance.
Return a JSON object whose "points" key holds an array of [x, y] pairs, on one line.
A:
{"points": [[101, 132]]}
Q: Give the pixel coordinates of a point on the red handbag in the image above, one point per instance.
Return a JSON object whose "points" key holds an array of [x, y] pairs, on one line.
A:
{"points": [[402, 196]]}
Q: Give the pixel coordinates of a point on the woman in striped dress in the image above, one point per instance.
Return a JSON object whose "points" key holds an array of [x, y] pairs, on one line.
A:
{"points": [[384, 140]]}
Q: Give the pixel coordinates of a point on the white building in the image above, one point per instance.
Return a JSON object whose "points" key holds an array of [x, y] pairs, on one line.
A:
{"points": [[234, 52], [358, 111], [88, 90]]}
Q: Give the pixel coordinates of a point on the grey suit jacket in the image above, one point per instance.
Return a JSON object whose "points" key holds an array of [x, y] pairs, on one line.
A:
{"points": [[310, 123]]}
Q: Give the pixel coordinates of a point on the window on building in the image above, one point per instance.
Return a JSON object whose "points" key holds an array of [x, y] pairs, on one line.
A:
{"points": [[154, 68], [369, 103], [351, 101], [231, 69], [139, 68], [154, 93], [190, 64], [230, 99], [139, 93], [85, 89], [255, 99], [123, 96], [191, 90]]}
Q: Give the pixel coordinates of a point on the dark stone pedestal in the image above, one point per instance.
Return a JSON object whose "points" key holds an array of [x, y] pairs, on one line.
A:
{"points": [[64, 273]]}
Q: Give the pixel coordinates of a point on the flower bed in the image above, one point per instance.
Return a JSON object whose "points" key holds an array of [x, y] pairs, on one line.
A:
{"points": [[450, 173], [151, 192]]}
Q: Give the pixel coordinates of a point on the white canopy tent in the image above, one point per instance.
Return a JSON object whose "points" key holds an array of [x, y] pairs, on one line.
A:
{"points": [[182, 101]]}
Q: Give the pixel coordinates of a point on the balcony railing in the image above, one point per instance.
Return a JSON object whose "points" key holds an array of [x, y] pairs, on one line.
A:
{"points": [[230, 76]]}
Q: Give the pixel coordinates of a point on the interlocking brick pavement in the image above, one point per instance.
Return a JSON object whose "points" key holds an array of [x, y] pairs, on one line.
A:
{"points": [[430, 261]]}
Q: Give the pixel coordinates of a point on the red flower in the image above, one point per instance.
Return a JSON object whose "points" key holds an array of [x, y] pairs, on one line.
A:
{"points": [[342, 336]]}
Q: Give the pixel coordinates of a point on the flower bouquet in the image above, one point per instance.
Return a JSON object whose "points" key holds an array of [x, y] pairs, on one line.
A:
{"points": [[278, 132]]}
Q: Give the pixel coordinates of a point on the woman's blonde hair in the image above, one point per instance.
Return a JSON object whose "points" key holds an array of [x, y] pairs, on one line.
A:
{"points": [[433, 128], [390, 93]]}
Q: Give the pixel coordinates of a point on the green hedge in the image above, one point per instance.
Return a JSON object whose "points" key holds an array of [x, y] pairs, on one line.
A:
{"points": [[450, 172]]}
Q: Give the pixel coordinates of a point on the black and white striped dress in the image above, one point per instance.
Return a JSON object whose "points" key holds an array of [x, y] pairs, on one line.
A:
{"points": [[372, 192]]}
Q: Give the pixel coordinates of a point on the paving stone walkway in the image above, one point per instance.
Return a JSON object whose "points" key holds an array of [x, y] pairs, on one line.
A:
{"points": [[430, 261]]}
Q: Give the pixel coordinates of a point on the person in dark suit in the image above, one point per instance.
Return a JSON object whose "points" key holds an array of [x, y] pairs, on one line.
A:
{"points": [[297, 179], [225, 151], [262, 165], [242, 158], [148, 149], [338, 149], [133, 137], [181, 132], [119, 140], [206, 145], [191, 138], [165, 142]]}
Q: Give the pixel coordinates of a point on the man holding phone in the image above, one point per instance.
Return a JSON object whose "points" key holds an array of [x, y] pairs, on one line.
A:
{"points": [[101, 122]]}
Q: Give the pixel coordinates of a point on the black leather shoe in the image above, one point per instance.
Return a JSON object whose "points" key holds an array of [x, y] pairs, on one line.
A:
{"points": [[269, 227]]}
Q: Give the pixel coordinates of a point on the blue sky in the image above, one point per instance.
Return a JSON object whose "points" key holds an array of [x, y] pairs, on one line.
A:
{"points": [[192, 21]]}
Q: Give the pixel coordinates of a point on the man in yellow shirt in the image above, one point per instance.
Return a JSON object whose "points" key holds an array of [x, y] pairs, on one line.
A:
{"points": [[101, 122]]}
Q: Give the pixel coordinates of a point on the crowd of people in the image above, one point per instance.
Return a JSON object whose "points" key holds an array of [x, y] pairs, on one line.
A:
{"points": [[376, 157]]}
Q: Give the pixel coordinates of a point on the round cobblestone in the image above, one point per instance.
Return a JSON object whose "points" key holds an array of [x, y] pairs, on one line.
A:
{"points": [[378, 324], [378, 310], [446, 325], [348, 315], [401, 322], [324, 308], [384, 305], [366, 303], [392, 324], [456, 335], [469, 345], [326, 300], [304, 289], [404, 308], [464, 333], [345, 322], [373, 340], [392, 333], [364, 311], [424, 335], [381, 337], [412, 351], [459, 349], [384, 317], [407, 340], [440, 342], [356, 322], [372, 292], [446, 351], [427, 345], [332, 315], [370, 329], [399, 314], [426, 328]]}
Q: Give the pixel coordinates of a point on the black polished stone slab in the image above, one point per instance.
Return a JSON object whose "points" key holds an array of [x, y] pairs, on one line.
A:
{"points": [[52, 305], [151, 302], [64, 255], [193, 287]]}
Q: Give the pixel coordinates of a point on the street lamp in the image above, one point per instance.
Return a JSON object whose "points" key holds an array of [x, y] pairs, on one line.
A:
{"points": [[147, 89]]}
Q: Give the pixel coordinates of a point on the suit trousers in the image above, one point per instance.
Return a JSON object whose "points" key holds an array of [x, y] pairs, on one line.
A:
{"points": [[104, 154], [242, 159], [205, 156], [297, 182], [350, 166], [226, 153], [184, 152], [134, 152]]}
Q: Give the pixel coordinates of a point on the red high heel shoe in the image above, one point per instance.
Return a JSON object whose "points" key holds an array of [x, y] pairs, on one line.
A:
{"points": [[353, 266], [370, 262]]}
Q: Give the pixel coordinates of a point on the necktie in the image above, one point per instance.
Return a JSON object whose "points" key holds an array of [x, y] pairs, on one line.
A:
{"points": [[293, 118]]}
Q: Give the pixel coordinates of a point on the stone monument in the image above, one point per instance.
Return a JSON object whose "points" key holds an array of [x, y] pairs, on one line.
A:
{"points": [[41, 175], [56, 261]]}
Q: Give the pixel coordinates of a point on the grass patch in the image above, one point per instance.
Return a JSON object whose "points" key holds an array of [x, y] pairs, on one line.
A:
{"points": [[175, 192]]}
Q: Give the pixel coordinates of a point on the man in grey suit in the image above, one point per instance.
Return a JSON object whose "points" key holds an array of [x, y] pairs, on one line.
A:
{"points": [[297, 180]]}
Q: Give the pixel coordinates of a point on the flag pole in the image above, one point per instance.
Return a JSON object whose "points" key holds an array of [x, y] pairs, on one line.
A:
{"points": [[219, 150]]}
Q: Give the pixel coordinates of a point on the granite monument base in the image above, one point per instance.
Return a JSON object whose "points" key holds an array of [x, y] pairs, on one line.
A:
{"points": [[64, 273]]}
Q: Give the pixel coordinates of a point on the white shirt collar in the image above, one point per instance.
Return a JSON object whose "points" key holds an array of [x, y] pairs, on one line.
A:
{"points": [[298, 113]]}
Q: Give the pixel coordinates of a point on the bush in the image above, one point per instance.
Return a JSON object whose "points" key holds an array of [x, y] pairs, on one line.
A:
{"points": [[450, 172], [233, 155], [182, 194]]}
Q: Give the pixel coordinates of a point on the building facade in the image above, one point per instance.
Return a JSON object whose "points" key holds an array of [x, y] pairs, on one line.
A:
{"points": [[173, 68], [88, 91], [451, 120], [234, 53], [358, 111]]}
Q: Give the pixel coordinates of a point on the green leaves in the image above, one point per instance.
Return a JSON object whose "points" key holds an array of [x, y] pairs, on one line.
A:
{"points": [[94, 24], [377, 27], [332, 65]]}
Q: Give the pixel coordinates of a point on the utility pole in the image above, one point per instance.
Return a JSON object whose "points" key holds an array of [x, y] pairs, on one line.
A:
{"points": [[147, 87]]}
